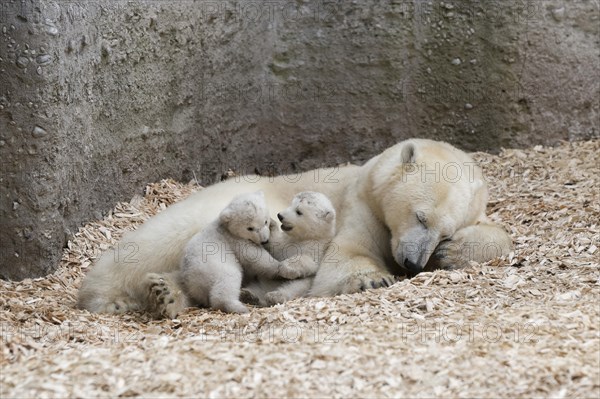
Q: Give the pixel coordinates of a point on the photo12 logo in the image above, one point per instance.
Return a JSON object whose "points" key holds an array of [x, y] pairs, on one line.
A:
{"points": [[290, 332], [69, 331], [454, 332]]}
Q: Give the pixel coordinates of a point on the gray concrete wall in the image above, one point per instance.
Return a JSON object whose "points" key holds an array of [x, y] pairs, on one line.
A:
{"points": [[99, 97]]}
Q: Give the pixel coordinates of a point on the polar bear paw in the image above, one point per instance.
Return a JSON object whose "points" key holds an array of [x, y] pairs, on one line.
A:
{"points": [[290, 271], [274, 298], [449, 255], [247, 296], [297, 267], [228, 305], [363, 281], [164, 299]]}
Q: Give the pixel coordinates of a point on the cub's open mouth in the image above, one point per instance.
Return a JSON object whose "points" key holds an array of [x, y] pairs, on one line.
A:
{"points": [[286, 227]]}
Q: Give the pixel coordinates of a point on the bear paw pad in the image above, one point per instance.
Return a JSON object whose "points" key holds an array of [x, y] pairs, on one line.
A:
{"points": [[248, 297], [362, 282], [274, 298], [163, 300]]}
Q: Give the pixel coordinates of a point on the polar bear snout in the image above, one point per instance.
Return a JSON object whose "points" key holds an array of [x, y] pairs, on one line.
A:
{"points": [[264, 235], [412, 268], [285, 226], [415, 247], [410, 259], [285, 223]]}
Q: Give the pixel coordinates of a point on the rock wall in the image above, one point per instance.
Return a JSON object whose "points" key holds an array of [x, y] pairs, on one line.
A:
{"points": [[98, 97]]}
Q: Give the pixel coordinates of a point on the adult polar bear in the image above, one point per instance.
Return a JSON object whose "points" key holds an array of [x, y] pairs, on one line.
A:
{"points": [[417, 198]]}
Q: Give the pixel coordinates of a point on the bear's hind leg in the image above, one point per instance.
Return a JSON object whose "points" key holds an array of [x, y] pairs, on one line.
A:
{"points": [[100, 296], [165, 298], [118, 304], [225, 294]]}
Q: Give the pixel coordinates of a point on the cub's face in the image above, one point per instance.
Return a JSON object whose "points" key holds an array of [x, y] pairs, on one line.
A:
{"points": [[311, 216], [247, 217]]}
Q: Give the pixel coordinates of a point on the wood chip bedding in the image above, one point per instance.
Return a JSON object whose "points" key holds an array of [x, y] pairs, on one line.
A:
{"points": [[525, 325]]}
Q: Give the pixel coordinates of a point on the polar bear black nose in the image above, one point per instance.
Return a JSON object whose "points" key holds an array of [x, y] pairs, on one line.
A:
{"points": [[412, 268], [264, 242], [280, 217]]}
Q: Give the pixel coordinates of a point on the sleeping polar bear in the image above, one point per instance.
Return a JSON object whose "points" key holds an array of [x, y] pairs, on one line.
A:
{"points": [[420, 203]]}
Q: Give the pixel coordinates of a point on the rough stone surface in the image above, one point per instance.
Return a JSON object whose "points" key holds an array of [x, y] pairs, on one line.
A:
{"points": [[98, 97]]}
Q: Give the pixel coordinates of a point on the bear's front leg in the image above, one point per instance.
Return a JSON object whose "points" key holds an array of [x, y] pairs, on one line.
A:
{"points": [[479, 243], [257, 261], [299, 266], [355, 259], [249, 297], [365, 274], [351, 275]]}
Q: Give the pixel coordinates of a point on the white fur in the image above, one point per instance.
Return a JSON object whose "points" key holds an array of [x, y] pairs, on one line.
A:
{"points": [[309, 227], [216, 259], [213, 263], [376, 206]]}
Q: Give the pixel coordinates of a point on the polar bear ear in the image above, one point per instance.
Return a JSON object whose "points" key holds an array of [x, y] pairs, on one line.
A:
{"points": [[408, 153], [226, 216]]}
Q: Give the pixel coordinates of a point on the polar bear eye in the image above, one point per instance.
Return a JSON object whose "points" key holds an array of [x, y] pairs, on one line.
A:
{"points": [[250, 228], [266, 222], [422, 219], [298, 212]]}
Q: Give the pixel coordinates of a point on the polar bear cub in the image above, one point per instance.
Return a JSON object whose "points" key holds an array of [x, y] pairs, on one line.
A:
{"points": [[308, 226], [216, 259]]}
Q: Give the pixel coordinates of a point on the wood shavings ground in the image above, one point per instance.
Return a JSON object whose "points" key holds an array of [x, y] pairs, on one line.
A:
{"points": [[526, 325]]}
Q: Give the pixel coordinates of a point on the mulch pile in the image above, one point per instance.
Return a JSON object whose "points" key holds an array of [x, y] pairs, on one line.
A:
{"points": [[524, 325]]}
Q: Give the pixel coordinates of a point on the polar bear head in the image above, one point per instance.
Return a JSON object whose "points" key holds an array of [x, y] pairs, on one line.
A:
{"points": [[310, 216], [247, 217], [424, 191]]}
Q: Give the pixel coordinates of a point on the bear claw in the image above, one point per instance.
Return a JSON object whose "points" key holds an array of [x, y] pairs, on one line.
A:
{"points": [[162, 299], [248, 297], [360, 282], [447, 256], [274, 298]]}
